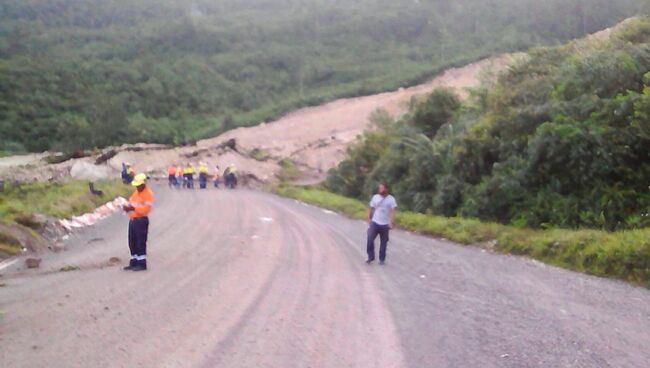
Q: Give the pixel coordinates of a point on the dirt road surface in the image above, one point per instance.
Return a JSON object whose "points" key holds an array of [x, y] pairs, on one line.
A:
{"points": [[247, 279]]}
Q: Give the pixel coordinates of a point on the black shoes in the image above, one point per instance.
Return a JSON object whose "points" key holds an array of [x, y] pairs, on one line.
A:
{"points": [[369, 261], [135, 267]]}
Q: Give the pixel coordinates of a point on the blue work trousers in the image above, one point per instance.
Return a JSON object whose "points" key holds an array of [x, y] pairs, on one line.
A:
{"points": [[138, 233], [373, 230]]}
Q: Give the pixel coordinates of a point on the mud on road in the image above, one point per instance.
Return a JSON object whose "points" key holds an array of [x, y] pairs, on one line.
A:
{"points": [[247, 279]]}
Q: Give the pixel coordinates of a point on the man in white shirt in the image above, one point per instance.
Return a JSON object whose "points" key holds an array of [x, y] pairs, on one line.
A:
{"points": [[381, 216]]}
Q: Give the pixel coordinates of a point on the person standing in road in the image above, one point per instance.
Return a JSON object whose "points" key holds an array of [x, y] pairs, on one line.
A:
{"points": [[230, 176], [171, 174], [189, 176], [131, 171], [381, 216], [216, 176], [203, 175], [128, 172], [138, 209], [180, 177]]}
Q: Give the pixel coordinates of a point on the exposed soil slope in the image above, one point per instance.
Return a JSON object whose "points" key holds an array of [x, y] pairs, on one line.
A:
{"points": [[315, 138]]}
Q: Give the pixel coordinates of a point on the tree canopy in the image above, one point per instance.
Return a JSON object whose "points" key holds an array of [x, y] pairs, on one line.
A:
{"points": [[561, 138], [90, 73]]}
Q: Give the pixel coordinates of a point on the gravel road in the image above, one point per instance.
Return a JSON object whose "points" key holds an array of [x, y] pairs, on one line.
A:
{"points": [[246, 279]]}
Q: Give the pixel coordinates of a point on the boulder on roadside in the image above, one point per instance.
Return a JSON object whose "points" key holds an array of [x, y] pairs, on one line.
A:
{"points": [[33, 262], [27, 238], [89, 171], [48, 227], [57, 247]]}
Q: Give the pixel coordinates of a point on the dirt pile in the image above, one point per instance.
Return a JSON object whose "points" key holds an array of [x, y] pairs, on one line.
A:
{"points": [[16, 238], [316, 138]]}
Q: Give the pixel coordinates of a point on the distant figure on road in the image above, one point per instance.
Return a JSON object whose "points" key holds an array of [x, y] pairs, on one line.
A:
{"points": [[189, 176], [217, 176], [180, 177], [230, 176], [381, 216], [171, 174], [128, 172], [138, 209], [203, 175]]}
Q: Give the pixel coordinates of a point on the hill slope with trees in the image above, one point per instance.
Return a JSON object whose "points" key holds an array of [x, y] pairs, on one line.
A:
{"points": [[88, 73], [560, 139]]}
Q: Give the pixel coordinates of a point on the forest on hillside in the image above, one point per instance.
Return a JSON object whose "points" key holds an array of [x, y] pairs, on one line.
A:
{"points": [[77, 74], [562, 138]]}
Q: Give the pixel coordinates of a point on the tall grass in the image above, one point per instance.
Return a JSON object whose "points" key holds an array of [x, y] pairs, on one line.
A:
{"points": [[60, 200], [18, 204]]}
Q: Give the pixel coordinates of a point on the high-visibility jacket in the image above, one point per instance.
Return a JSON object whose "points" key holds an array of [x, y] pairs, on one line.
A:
{"points": [[190, 170], [179, 171], [171, 170], [142, 202], [203, 169]]}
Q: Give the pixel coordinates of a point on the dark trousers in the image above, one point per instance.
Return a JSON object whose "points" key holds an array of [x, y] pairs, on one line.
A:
{"points": [[189, 181], [203, 180], [138, 232], [373, 230], [172, 181]]}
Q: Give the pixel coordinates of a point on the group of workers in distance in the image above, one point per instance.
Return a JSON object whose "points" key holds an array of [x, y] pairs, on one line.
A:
{"points": [[183, 176], [141, 201]]}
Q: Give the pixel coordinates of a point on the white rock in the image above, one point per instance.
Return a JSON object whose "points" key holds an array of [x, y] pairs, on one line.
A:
{"points": [[89, 171]]}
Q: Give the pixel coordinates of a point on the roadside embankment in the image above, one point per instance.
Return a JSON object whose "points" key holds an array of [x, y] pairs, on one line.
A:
{"points": [[28, 212], [624, 254]]}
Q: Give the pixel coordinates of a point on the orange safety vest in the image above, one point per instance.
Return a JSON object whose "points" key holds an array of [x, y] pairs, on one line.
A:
{"points": [[142, 202], [171, 170]]}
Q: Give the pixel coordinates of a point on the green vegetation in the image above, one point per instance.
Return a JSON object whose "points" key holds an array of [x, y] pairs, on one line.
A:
{"points": [[60, 200], [9, 245], [623, 254], [259, 154], [89, 73], [288, 171], [561, 139], [68, 268], [19, 205]]}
